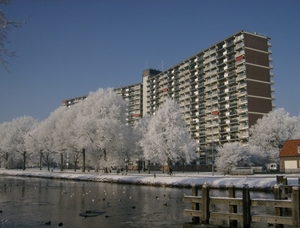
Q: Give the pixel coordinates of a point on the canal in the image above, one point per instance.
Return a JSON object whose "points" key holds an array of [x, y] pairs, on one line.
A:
{"points": [[36, 202], [32, 202]]}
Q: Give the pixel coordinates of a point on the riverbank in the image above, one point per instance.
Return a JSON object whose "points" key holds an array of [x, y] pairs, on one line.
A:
{"points": [[187, 179]]}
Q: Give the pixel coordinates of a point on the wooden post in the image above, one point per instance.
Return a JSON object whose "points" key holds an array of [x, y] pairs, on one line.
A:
{"points": [[277, 196], [246, 207], [279, 179], [295, 207], [195, 206], [232, 208], [285, 180], [205, 204]]}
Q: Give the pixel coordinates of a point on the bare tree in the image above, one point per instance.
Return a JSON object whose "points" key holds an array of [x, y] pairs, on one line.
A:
{"points": [[5, 27]]}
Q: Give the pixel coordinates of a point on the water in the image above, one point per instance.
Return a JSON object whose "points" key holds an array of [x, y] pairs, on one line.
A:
{"points": [[31, 202]]}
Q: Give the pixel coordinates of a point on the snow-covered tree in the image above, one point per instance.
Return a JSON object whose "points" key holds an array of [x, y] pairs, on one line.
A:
{"points": [[42, 141], [272, 130], [18, 134], [5, 27], [262, 157], [232, 155], [138, 133], [167, 138], [62, 119], [5, 145], [268, 135], [99, 126]]}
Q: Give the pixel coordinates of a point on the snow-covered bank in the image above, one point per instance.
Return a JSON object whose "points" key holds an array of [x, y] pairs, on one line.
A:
{"points": [[258, 182]]}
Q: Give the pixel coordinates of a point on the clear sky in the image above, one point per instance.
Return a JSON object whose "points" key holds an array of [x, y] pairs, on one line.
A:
{"points": [[68, 48]]}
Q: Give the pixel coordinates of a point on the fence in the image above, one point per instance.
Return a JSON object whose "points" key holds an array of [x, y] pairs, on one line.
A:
{"points": [[201, 205]]}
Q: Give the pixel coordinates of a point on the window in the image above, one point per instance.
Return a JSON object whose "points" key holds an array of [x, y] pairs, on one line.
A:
{"points": [[299, 149]]}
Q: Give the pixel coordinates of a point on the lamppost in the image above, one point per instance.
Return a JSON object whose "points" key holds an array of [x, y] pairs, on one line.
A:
{"points": [[213, 113], [212, 150], [40, 151]]}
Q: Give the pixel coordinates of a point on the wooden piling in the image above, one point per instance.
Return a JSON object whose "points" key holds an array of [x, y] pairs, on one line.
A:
{"points": [[295, 207], [278, 210], [246, 207], [195, 206], [232, 208], [205, 204], [279, 179]]}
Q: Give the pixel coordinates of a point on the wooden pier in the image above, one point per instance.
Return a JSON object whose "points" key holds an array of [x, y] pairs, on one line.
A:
{"points": [[239, 209]]}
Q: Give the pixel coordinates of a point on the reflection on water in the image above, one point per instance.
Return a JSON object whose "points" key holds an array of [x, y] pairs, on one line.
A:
{"points": [[31, 202]]}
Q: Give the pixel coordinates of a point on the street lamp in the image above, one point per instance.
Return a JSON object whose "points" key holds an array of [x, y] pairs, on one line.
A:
{"points": [[213, 113]]}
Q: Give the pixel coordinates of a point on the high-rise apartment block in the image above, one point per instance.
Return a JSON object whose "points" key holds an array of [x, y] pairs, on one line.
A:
{"points": [[134, 95], [222, 91]]}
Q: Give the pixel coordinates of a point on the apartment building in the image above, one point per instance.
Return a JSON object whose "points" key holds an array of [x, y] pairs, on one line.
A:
{"points": [[73, 101], [222, 91], [134, 95]]}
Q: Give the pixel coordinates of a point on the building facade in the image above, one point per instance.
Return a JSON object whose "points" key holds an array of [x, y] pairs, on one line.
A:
{"points": [[134, 95], [222, 91], [290, 156]]}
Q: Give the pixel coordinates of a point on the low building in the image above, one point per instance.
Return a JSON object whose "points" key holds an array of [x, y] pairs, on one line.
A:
{"points": [[290, 156]]}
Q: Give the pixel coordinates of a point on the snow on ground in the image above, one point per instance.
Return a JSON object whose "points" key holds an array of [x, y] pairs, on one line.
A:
{"points": [[262, 181]]}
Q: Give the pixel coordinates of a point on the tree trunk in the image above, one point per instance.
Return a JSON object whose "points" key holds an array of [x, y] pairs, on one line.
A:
{"points": [[41, 159], [48, 165], [139, 166], [24, 160], [83, 160], [75, 165], [61, 161], [169, 166], [6, 156], [105, 170], [148, 167]]}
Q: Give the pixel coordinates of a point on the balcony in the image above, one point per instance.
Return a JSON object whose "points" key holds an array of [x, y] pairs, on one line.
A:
{"points": [[241, 76]]}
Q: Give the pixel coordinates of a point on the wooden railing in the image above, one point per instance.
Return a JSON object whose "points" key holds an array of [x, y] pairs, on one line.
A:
{"points": [[201, 212]]}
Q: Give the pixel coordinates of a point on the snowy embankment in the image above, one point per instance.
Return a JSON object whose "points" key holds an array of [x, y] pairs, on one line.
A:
{"points": [[255, 182]]}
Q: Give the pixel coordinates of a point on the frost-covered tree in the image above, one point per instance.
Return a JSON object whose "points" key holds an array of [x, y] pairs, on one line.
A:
{"points": [[62, 120], [167, 138], [5, 27], [232, 155], [262, 157], [267, 137], [270, 132], [42, 141], [18, 134], [5, 154], [99, 126], [138, 133]]}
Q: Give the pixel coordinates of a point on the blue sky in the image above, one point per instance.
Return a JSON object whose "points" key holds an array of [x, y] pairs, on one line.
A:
{"points": [[68, 48]]}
